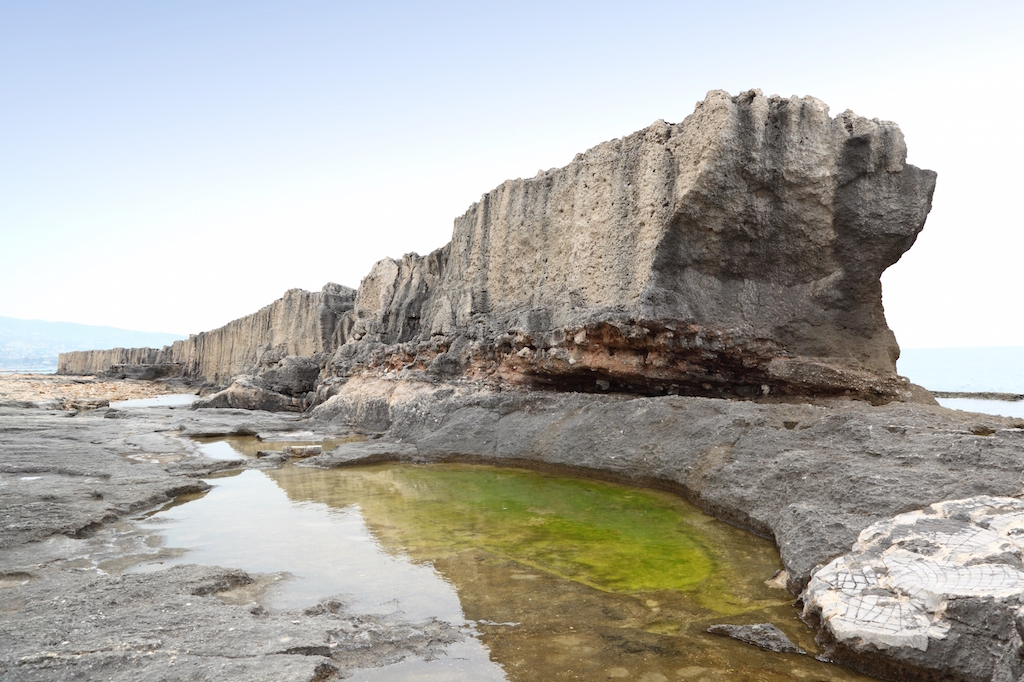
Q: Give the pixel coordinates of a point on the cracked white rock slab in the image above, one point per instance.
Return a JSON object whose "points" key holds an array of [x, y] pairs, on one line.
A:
{"points": [[892, 588]]}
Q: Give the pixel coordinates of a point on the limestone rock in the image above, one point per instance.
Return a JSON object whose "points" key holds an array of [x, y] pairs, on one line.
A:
{"points": [[244, 394], [97, 361], [300, 323], [293, 376], [143, 372], [735, 253], [300, 451], [940, 589]]}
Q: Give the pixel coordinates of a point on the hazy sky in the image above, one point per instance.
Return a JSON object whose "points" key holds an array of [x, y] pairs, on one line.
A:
{"points": [[170, 166]]}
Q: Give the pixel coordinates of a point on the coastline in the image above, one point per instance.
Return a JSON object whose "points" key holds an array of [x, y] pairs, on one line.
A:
{"points": [[810, 477]]}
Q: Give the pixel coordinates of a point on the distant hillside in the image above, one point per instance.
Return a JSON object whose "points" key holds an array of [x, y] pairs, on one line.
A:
{"points": [[33, 345]]}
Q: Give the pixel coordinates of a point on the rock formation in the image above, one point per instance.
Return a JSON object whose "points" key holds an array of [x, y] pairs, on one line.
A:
{"points": [[737, 253], [96, 361], [940, 589], [300, 323]]}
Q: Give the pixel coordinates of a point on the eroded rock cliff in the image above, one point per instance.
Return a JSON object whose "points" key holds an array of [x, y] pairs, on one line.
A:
{"points": [[737, 254], [96, 361], [300, 323]]}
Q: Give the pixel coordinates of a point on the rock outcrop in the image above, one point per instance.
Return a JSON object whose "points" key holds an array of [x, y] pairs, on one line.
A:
{"points": [[86, 362], [938, 590], [300, 323], [735, 254]]}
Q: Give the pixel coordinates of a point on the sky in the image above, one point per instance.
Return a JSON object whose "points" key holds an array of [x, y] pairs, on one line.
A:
{"points": [[171, 166]]}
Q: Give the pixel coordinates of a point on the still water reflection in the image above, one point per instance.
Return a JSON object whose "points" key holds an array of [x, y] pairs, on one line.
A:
{"points": [[243, 447], [557, 578]]}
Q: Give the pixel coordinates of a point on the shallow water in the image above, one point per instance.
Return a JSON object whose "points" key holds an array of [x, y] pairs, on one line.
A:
{"points": [[556, 578], [170, 400], [245, 447]]}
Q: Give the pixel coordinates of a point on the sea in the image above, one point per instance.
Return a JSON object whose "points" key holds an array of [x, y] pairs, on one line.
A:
{"points": [[985, 369], [29, 369]]}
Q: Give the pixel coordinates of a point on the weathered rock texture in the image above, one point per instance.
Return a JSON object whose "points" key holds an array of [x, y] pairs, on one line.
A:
{"points": [[300, 323], [938, 590], [97, 361], [737, 253]]}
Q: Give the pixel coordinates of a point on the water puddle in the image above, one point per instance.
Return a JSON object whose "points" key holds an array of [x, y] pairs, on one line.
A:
{"points": [[170, 400], [246, 447], [556, 578]]}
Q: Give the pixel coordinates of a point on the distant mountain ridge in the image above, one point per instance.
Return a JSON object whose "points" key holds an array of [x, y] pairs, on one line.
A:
{"points": [[33, 345]]}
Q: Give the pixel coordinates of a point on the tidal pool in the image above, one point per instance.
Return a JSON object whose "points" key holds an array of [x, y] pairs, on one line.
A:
{"points": [[169, 400], [554, 578], [243, 447]]}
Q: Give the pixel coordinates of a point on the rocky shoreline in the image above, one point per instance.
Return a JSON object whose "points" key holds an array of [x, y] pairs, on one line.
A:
{"points": [[68, 481], [694, 307], [809, 476]]}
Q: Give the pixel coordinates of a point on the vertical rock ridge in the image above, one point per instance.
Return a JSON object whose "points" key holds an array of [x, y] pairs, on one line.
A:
{"points": [[737, 253]]}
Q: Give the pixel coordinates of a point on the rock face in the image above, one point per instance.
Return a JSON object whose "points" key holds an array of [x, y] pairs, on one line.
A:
{"points": [[939, 589], [300, 323], [735, 254], [97, 361]]}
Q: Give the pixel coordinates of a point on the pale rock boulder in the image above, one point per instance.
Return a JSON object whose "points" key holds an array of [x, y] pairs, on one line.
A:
{"points": [[939, 589]]}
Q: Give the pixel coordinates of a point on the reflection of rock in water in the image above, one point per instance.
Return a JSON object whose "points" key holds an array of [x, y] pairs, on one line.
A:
{"points": [[928, 581]]}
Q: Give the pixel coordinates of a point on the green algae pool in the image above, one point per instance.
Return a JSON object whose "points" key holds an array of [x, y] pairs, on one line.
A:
{"points": [[610, 537], [554, 578]]}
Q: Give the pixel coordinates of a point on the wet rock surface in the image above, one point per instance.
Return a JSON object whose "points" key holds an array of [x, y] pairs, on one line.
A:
{"points": [[763, 635], [67, 482], [188, 622]]}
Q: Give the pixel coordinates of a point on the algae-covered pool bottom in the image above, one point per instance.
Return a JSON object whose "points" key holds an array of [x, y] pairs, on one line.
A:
{"points": [[554, 578]]}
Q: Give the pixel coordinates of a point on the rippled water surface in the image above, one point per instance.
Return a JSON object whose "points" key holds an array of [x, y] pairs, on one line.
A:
{"points": [[556, 578]]}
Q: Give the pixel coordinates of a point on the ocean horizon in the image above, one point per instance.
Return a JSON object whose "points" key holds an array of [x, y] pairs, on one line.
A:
{"points": [[979, 369]]}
